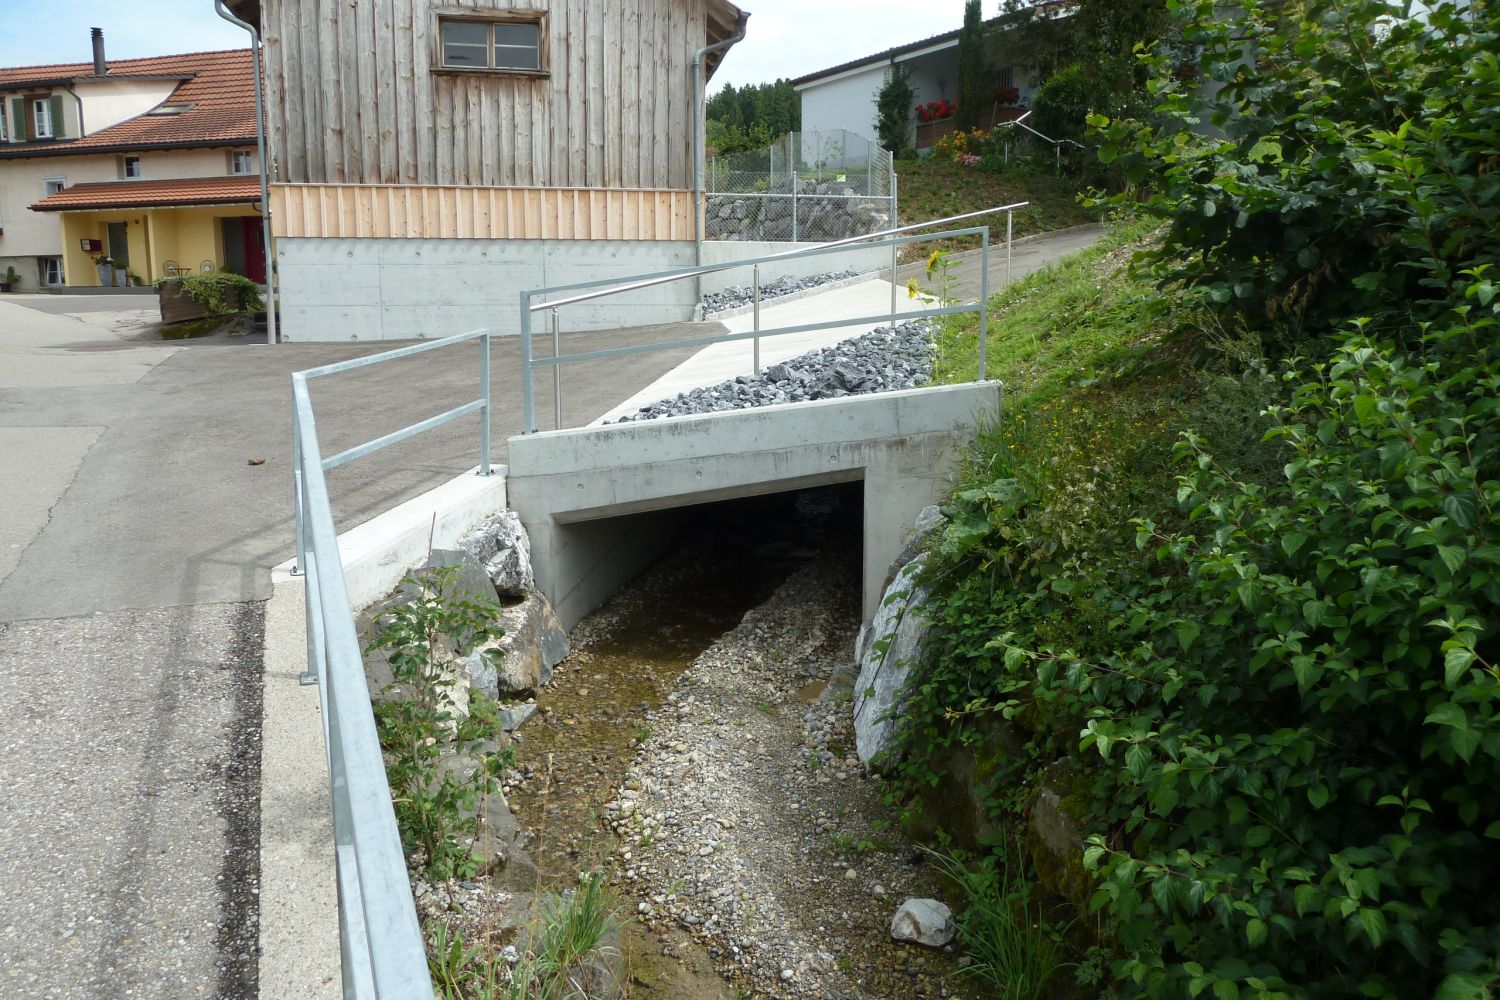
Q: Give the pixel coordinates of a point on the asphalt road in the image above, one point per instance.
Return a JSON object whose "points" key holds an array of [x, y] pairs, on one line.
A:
{"points": [[136, 543]]}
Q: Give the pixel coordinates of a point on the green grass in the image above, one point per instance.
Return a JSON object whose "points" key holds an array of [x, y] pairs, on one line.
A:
{"points": [[1074, 320], [933, 188], [1013, 949]]}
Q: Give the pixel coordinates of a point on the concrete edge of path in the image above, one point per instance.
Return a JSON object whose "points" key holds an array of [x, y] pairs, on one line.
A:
{"points": [[299, 913]]}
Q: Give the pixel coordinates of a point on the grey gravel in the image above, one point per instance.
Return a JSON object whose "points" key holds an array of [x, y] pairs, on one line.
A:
{"points": [[743, 295], [879, 361]]}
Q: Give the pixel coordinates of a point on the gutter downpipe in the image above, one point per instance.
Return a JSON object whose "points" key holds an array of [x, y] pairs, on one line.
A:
{"points": [[260, 152], [700, 138]]}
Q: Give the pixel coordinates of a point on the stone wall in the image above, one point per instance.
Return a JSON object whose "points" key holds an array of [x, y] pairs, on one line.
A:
{"points": [[826, 210]]}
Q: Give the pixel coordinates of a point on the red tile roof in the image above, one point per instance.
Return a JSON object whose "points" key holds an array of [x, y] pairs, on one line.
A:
{"points": [[153, 194], [218, 86]]}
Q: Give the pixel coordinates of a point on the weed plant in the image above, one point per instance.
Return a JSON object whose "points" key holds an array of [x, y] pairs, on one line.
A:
{"points": [[437, 796]]}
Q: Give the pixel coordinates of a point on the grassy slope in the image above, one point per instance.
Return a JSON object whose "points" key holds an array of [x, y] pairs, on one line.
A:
{"points": [[1062, 323], [931, 188]]}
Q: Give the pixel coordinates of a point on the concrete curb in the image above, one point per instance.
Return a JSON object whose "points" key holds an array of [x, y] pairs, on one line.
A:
{"points": [[299, 914]]}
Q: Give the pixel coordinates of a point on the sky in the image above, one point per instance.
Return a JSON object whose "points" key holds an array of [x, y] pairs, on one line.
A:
{"points": [[787, 38]]}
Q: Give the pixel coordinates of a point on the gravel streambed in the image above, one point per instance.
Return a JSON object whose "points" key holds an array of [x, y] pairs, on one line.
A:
{"points": [[737, 296], [879, 361], [748, 827]]}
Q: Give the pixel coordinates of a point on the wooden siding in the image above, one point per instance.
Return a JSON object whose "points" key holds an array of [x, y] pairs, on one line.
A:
{"points": [[452, 212], [353, 99]]}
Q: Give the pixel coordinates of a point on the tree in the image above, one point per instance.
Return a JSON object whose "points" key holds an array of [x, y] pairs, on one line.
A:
{"points": [[893, 110], [970, 67], [759, 107]]}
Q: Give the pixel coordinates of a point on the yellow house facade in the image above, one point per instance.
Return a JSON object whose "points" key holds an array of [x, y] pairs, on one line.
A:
{"points": [[147, 166]]}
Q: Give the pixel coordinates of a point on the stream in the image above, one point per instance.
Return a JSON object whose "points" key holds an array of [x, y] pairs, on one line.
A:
{"points": [[696, 748]]}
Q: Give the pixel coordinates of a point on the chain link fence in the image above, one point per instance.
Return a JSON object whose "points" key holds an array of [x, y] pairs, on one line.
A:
{"points": [[805, 187]]}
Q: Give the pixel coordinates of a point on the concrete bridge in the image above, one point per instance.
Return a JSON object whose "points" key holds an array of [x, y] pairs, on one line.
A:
{"points": [[598, 501]]}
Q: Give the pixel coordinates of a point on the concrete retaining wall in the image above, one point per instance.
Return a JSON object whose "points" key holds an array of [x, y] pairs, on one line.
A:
{"points": [[402, 289], [592, 498], [856, 258]]}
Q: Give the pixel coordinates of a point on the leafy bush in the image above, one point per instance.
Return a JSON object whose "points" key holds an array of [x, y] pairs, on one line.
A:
{"points": [[1266, 646], [437, 804], [1349, 143], [220, 293]]}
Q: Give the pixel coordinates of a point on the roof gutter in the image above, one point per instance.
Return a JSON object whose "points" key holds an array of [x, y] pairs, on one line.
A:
{"points": [[700, 139], [260, 147]]}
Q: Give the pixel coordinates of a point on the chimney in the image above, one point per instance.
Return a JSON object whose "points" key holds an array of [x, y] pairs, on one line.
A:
{"points": [[101, 68]]}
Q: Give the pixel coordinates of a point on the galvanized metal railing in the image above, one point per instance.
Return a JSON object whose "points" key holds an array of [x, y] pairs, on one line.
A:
{"points": [[380, 940], [604, 287]]}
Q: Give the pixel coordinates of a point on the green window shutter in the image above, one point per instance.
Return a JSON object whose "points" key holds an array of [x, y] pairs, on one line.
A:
{"points": [[20, 121], [57, 117]]}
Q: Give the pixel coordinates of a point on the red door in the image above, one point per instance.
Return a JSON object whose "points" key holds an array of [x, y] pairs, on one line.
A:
{"points": [[252, 234]]}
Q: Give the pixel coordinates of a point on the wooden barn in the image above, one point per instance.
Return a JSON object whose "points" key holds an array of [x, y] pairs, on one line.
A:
{"points": [[430, 159]]}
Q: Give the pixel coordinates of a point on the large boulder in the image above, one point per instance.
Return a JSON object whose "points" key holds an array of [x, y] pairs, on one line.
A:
{"points": [[499, 544], [471, 582], [885, 652], [533, 644]]}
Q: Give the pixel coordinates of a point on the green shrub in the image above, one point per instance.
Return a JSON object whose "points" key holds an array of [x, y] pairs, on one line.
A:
{"points": [[437, 805], [220, 293]]}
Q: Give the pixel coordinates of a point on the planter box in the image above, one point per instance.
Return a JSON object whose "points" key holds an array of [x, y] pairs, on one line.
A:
{"points": [[176, 307]]}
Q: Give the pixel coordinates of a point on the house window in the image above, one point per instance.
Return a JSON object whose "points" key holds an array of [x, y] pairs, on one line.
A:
{"points": [[510, 46], [41, 118], [4, 131], [52, 185], [1007, 77], [130, 167], [241, 161], [51, 270]]}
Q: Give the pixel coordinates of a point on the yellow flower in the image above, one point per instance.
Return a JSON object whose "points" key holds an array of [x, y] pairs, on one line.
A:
{"points": [[912, 288], [932, 261]]}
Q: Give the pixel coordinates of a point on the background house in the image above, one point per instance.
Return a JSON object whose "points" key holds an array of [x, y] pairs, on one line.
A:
{"points": [[152, 161], [430, 160], [843, 96]]}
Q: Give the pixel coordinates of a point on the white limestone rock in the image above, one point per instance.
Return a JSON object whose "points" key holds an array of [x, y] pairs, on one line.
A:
{"points": [[533, 644], [923, 921], [501, 546], [884, 666]]}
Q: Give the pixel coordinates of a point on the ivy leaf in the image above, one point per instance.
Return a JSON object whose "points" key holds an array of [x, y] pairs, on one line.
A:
{"points": [[1462, 508], [1461, 986], [1455, 662], [1292, 541], [1187, 633], [1318, 795]]}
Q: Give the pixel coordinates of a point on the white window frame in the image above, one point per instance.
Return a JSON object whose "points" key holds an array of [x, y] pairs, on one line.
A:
{"points": [[48, 264], [125, 163], [4, 121], [41, 118], [537, 22], [234, 161], [47, 182]]}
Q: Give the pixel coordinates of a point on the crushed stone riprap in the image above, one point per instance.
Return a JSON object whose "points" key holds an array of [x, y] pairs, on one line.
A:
{"points": [[736, 296], [882, 360]]}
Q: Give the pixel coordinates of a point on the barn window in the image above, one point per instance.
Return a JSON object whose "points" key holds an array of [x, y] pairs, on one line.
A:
{"points": [[507, 46]]}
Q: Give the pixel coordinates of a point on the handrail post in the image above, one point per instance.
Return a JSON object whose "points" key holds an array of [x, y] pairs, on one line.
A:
{"points": [[893, 287], [484, 413], [1009, 218], [556, 374], [299, 566], [528, 402], [756, 342], [984, 299], [795, 185]]}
